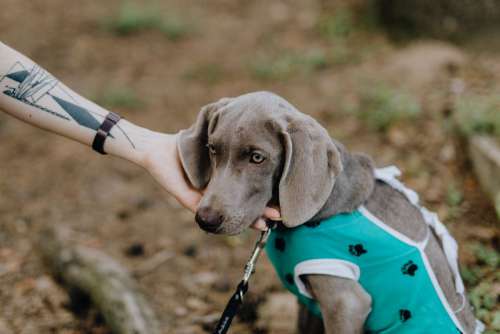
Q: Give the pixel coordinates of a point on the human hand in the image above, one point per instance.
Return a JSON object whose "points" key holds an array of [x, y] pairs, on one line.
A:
{"points": [[269, 213], [163, 163], [162, 160]]}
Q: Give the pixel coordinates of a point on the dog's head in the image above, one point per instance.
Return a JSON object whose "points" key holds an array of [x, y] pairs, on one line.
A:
{"points": [[255, 150]]}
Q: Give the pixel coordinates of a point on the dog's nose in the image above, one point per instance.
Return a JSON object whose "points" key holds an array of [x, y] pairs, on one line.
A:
{"points": [[208, 219]]}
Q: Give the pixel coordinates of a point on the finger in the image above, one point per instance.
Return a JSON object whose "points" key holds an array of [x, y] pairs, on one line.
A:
{"points": [[190, 199], [187, 196], [272, 213], [260, 225]]}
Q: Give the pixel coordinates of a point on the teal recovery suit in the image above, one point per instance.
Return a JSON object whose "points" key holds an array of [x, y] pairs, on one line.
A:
{"points": [[394, 270]]}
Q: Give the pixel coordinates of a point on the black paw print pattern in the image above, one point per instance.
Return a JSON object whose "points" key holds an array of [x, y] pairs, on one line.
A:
{"points": [[289, 279], [279, 244], [409, 268], [357, 250], [404, 315]]}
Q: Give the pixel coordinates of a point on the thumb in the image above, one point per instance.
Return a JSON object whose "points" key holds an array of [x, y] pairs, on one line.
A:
{"points": [[272, 213], [189, 198]]}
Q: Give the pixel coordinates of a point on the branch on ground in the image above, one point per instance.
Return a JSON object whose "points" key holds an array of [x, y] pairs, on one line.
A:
{"points": [[110, 287]]}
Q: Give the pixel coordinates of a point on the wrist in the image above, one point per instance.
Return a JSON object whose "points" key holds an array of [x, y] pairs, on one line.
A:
{"points": [[161, 151], [132, 142]]}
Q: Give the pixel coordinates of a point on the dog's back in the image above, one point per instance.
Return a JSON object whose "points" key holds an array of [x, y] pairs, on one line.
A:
{"points": [[392, 207]]}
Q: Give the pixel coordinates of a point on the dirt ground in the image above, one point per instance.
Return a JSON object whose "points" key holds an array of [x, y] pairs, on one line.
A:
{"points": [[226, 49]]}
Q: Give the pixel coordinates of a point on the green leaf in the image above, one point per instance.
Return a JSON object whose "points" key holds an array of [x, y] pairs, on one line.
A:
{"points": [[495, 323], [487, 255]]}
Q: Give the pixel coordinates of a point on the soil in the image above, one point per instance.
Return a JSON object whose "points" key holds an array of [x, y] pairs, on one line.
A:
{"points": [[112, 205]]}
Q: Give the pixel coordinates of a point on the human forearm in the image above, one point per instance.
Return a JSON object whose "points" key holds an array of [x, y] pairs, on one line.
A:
{"points": [[33, 95]]}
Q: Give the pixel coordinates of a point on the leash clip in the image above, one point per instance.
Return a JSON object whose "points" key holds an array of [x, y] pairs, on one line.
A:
{"points": [[259, 246]]}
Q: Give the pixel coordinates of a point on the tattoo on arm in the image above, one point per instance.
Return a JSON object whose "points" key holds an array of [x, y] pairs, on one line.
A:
{"points": [[37, 88]]}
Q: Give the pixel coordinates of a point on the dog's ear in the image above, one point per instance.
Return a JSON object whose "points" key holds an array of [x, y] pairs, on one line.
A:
{"points": [[312, 161], [192, 144]]}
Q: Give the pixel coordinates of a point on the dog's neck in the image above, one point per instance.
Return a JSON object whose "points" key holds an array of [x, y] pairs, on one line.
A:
{"points": [[353, 186]]}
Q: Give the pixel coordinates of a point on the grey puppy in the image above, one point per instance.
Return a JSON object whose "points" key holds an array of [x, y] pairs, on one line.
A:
{"points": [[257, 150]]}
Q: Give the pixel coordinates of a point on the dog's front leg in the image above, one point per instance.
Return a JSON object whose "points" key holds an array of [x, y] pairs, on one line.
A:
{"points": [[308, 322], [344, 303]]}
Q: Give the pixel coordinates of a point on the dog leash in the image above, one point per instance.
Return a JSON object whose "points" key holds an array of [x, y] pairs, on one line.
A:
{"points": [[236, 300]]}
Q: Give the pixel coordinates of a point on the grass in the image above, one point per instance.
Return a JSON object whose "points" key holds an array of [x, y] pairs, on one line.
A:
{"points": [[486, 255], [342, 54], [338, 25], [347, 31], [344, 21], [482, 279], [118, 97], [476, 114], [131, 19], [480, 114], [454, 198], [381, 106], [287, 64], [209, 73], [339, 28]]}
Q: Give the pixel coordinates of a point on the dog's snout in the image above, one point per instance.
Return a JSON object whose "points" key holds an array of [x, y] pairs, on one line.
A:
{"points": [[209, 219]]}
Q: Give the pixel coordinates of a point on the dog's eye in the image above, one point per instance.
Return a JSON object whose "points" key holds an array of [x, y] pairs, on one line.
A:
{"points": [[257, 158], [211, 149]]}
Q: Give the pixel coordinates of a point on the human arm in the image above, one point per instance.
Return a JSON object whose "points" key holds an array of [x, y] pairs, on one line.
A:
{"points": [[33, 95]]}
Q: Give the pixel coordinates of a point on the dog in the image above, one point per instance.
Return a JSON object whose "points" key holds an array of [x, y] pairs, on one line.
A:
{"points": [[392, 271]]}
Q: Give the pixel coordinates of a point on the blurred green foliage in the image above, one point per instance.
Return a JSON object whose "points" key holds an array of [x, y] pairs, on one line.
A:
{"points": [[483, 278], [496, 203], [486, 255], [341, 54], [495, 321], [345, 30], [471, 274], [131, 18], [118, 97], [454, 196], [476, 114], [337, 28], [209, 73], [337, 25], [381, 106], [340, 28], [484, 301], [286, 64]]}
